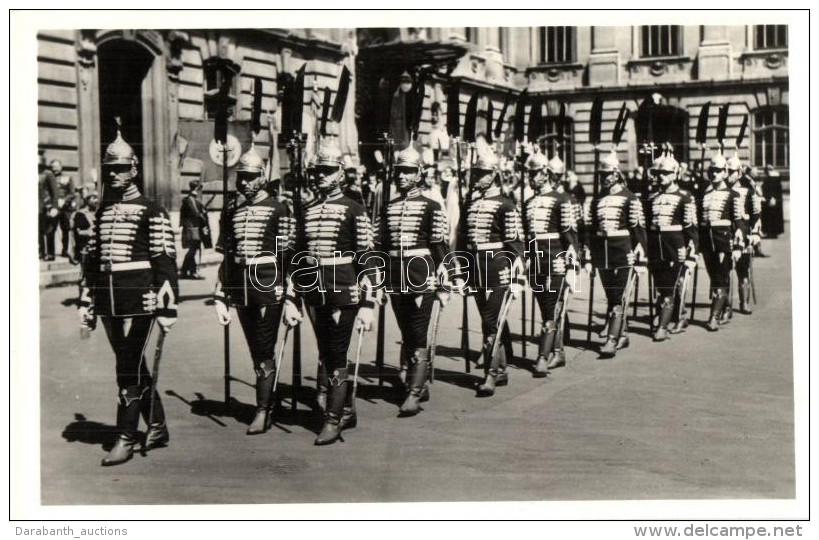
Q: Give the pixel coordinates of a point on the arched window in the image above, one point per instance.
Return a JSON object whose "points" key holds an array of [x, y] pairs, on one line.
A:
{"points": [[770, 137]]}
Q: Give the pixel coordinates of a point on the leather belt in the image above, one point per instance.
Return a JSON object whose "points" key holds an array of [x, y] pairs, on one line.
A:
{"points": [[330, 261], [487, 245], [124, 266], [418, 252], [668, 228], [721, 223], [609, 234], [548, 236]]}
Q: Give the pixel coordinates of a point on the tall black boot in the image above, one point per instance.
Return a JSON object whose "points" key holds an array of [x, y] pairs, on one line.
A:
{"points": [[349, 418], [666, 309], [419, 363], [331, 431], [547, 341], [487, 388], [744, 290], [717, 306], [609, 349], [265, 376], [322, 384], [558, 358], [157, 435], [127, 422]]}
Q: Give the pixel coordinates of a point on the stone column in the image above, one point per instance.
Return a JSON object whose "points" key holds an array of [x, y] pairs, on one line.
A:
{"points": [[714, 55], [604, 60], [87, 109]]}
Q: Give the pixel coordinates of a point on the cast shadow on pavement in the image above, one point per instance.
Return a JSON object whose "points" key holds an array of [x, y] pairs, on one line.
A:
{"points": [[216, 410], [90, 432]]}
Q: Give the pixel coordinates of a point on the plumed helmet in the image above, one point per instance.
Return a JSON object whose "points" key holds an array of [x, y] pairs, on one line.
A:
{"points": [[610, 163], [348, 162], [734, 163], [718, 161], [329, 154], [119, 152], [251, 162], [667, 163], [408, 157], [536, 162], [556, 165], [428, 157], [487, 161]]}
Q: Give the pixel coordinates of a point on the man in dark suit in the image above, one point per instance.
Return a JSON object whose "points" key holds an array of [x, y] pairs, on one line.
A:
{"points": [[48, 211], [193, 216]]}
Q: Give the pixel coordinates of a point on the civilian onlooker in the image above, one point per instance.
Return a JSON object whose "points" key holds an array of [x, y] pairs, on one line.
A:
{"points": [[66, 205], [773, 216], [636, 181], [352, 181], [47, 210], [83, 225], [193, 217]]}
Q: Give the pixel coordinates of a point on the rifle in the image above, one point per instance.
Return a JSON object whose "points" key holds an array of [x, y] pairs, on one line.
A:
{"points": [[595, 127], [469, 136], [220, 135], [384, 234], [701, 138], [294, 110]]}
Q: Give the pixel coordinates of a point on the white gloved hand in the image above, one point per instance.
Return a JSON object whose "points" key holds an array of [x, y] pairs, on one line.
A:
{"points": [[516, 289], [165, 323], [364, 319], [292, 314], [681, 254], [443, 297], [222, 312], [631, 258], [87, 317]]}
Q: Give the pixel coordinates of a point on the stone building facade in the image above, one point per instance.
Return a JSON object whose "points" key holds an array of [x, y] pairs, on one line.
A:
{"points": [[161, 85]]}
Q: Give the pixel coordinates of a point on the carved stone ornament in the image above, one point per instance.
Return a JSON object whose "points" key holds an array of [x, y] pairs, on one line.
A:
{"points": [[87, 48], [774, 61]]}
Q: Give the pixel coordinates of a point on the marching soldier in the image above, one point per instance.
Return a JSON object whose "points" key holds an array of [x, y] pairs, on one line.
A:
{"points": [[256, 241], [417, 245], [616, 238], [551, 241], [495, 243], [722, 236], [335, 278], [130, 281], [672, 241], [751, 204]]}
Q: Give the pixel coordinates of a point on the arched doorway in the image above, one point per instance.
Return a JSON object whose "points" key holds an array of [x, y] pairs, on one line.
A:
{"points": [[123, 68], [132, 83], [659, 123]]}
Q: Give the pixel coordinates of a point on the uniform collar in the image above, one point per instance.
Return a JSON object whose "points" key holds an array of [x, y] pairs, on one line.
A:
{"points": [[131, 193], [493, 191]]}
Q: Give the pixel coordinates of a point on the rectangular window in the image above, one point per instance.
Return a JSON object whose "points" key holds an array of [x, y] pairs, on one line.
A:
{"points": [[770, 137], [557, 44], [661, 41], [472, 35], [560, 134], [770, 36]]}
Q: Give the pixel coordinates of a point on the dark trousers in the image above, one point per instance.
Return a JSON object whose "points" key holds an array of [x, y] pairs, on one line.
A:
{"points": [[333, 327], [260, 325], [548, 298], [64, 221], [413, 313], [189, 263], [46, 225], [489, 304], [614, 283], [128, 337], [718, 264], [743, 266], [665, 277]]}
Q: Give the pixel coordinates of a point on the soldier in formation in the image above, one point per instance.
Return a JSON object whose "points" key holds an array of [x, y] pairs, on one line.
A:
{"points": [[130, 282], [257, 242]]}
